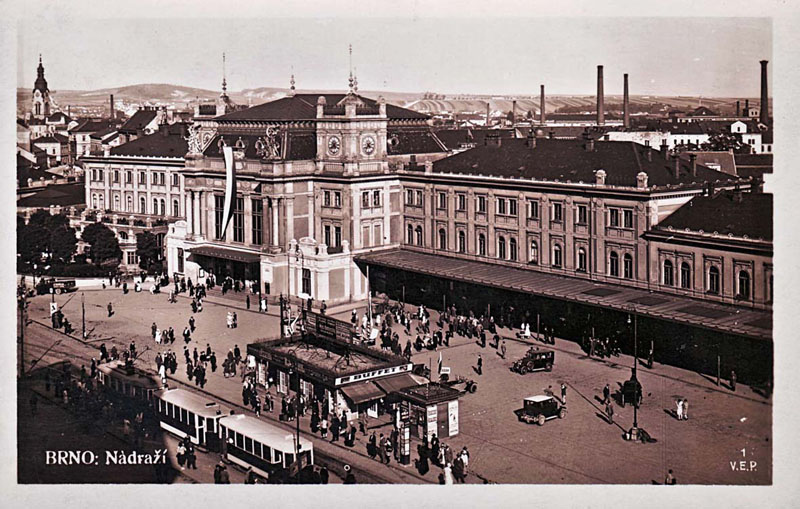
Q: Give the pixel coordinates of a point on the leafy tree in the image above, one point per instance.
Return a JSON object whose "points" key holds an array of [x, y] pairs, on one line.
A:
{"points": [[103, 244], [45, 235], [147, 250], [62, 244], [31, 244]]}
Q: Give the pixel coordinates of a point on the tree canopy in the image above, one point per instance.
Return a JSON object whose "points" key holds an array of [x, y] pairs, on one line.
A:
{"points": [[45, 239], [147, 250], [103, 244]]}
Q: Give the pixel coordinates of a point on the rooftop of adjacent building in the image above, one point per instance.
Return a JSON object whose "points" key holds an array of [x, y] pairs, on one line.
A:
{"points": [[574, 161], [62, 195], [169, 141], [726, 212], [139, 120], [52, 138]]}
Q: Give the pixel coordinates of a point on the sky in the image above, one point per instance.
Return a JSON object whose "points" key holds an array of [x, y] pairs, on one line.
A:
{"points": [[511, 55]]}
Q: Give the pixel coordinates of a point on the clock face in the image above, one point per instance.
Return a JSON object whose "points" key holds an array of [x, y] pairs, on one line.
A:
{"points": [[334, 145], [368, 145]]}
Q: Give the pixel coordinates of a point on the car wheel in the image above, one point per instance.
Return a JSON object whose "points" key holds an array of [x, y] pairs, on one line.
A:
{"points": [[522, 370], [473, 388], [562, 413], [548, 366], [60, 291], [540, 420]]}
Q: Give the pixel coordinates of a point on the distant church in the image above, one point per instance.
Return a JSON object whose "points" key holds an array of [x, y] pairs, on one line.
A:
{"points": [[41, 94]]}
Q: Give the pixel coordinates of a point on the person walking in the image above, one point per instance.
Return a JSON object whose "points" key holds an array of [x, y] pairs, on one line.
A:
{"points": [[181, 455], [480, 364], [606, 393], [503, 349], [191, 323], [733, 380], [110, 310], [247, 302], [685, 409], [563, 393], [650, 359], [679, 411], [335, 428], [610, 411]]}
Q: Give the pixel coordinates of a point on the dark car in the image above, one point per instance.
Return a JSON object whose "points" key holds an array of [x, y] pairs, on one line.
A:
{"points": [[534, 360], [631, 393], [541, 408]]}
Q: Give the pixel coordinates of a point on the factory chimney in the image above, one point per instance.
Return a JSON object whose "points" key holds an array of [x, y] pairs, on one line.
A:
{"points": [[600, 105], [513, 113], [626, 119], [541, 107], [738, 109], [113, 113], [488, 114], [764, 118]]}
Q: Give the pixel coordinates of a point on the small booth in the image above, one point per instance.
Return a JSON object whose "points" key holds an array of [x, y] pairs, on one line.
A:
{"points": [[430, 408]]}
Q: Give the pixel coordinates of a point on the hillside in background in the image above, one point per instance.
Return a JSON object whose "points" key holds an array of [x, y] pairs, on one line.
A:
{"points": [[129, 98]]}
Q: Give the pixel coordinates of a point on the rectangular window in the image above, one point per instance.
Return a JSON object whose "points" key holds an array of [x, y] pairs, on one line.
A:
{"points": [[128, 177], [131, 258], [365, 236], [501, 206], [462, 202], [326, 198], [175, 180], [582, 214], [142, 178], [161, 178], [376, 198], [258, 221], [613, 218], [627, 218], [337, 234], [219, 209], [533, 209], [238, 219], [443, 201], [180, 259], [365, 200], [419, 198], [558, 212], [377, 236], [482, 204], [337, 199], [327, 230], [512, 207], [409, 197], [307, 281]]}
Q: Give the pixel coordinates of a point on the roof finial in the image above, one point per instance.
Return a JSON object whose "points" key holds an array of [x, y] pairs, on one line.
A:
{"points": [[224, 82], [40, 59], [351, 80], [291, 83], [355, 80]]}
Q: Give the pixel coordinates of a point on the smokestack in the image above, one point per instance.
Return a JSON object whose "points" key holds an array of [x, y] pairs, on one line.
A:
{"points": [[626, 120], [764, 119], [488, 113], [113, 113], [693, 159], [747, 107], [738, 109], [601, 119], [514, 112], [541, 107]]}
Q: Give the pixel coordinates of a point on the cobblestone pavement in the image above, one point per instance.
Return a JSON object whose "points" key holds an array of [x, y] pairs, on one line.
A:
{"points": [[582, 448]]}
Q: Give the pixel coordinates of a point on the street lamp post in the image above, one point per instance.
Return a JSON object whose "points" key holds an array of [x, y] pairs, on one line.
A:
{"points": [[634, 431]]}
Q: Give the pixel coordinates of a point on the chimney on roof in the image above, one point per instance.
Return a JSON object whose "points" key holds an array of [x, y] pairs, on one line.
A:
{"points": [[737, 193], [764, 117], [676, 162], [111, 101], [513, 113], [492, 139], [321, 102], [600, 105], [626, 120], [738, 109], [541, 107], [747, 107], [588, 143], [530, 141], [693, 159], [428, 167], [488, 114], [665, 149], [641, 180], [600, 177]]}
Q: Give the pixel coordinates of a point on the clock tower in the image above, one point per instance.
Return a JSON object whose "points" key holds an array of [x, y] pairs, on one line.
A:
{"points": [[351, 135], [40, 107]]}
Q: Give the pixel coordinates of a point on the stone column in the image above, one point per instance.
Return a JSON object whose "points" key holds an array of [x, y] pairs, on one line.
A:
{"points": [[274, 212], [189, 208]]}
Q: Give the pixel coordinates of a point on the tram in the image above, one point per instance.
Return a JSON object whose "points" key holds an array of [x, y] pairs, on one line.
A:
{"points": [[187, 414], [268, 449], [133, 383]]}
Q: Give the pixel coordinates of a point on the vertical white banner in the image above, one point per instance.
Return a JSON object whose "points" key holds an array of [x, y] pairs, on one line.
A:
{"points": [[452, 415]]}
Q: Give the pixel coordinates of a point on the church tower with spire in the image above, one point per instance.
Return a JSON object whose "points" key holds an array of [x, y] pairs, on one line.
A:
{"points": [[40, 106]]}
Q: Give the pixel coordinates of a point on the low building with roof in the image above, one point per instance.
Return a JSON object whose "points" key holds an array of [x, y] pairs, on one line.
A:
{"points": [[55, 198], [57, 148]]}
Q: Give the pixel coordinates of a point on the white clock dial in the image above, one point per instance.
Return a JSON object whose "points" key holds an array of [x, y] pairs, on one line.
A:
{"points": [[334, 145], [368, 145]]}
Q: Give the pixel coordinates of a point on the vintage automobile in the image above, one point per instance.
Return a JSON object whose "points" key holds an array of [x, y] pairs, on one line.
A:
{"points": [[460, 383], [540, 408], [534, 360], [631, 392], [56, 285]]}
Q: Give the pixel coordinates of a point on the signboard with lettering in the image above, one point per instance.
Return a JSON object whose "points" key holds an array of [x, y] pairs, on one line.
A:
{"points": [[360, 377], [53, 308], [431, 421], [452, 415]]}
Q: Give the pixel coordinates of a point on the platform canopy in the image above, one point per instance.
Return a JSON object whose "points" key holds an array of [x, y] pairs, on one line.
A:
{"points": [[225, 253]]}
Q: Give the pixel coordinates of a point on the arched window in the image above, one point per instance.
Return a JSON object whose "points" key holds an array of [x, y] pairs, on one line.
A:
{"points": [[713, 280], [142, 205], [176, 208], [94, 201], [481, 244], [557, 261], [686, 276], [155, 206], [442, 238], [512, 248], [627, 266], [581, 260], [102, 202], [669, 276], [613, 264], [129, 204], [410, 235], [501, 247], [462, 242], [744, 284], [163, 207], [116, 202], [534, 253], [418, 230]]}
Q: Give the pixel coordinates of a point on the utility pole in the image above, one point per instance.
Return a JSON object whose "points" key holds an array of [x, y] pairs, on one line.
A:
{"points": [[83, 317]]}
